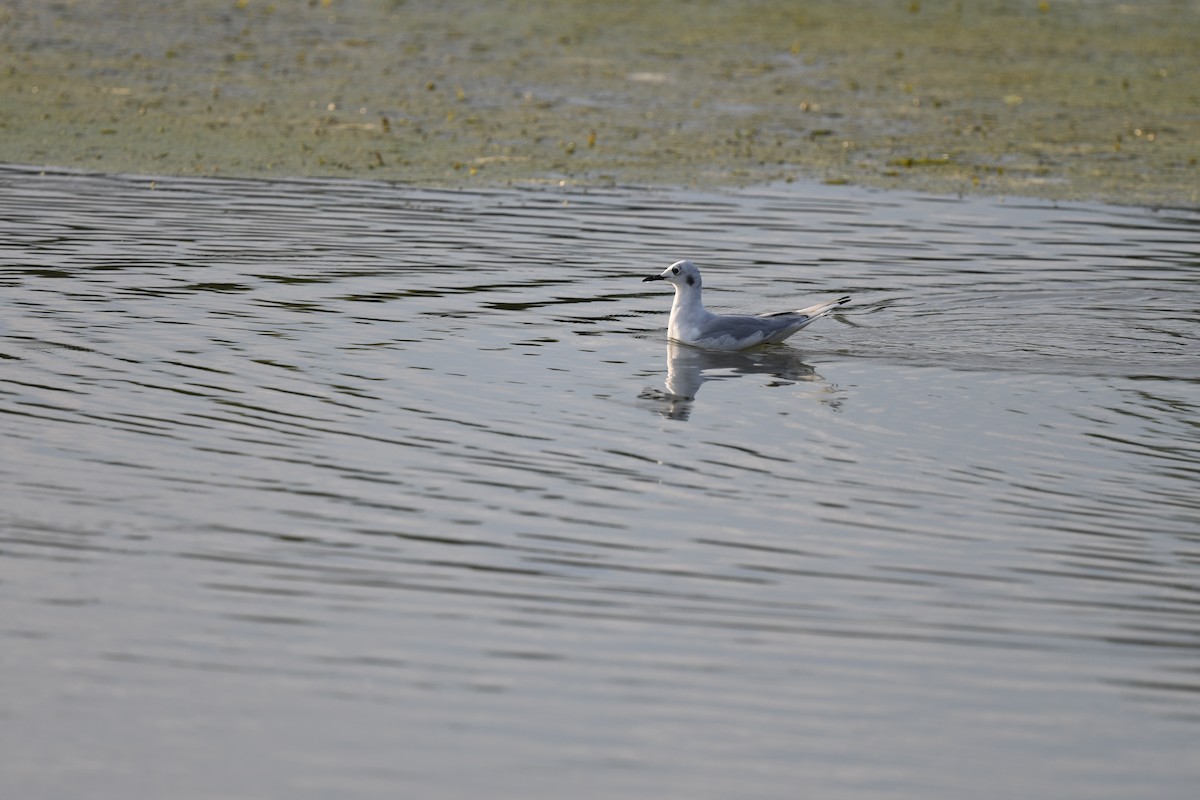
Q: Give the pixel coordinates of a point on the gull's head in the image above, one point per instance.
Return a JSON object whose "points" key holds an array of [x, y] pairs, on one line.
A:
{"points": [[682, 274]]}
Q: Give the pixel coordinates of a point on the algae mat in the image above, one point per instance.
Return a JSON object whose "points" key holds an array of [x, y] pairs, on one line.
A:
{"points": [[1065, 100]]}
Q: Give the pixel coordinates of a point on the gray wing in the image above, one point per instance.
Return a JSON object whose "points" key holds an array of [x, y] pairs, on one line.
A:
{"points": [[742, 326], [745, 331]]}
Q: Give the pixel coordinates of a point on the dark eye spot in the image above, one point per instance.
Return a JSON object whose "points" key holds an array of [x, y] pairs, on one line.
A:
{"points": [[675, 270], [691, 281]]}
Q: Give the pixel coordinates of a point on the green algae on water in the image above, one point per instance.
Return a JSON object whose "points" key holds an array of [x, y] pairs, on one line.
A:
{"points": [[1064, 100]]}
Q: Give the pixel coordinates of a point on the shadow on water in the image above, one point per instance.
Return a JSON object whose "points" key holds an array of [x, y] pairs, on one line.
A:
{"points": [[381, 474], [688, 368]]}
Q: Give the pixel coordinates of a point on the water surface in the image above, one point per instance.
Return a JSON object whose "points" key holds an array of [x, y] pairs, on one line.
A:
{"points": [[318, 489]]}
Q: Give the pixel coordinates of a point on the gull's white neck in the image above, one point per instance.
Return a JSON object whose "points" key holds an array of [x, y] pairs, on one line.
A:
{"points": [[687, 311]]}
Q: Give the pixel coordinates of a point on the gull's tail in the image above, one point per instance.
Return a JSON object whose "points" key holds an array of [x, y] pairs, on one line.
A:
{"points": [[812, 312], [820, 309]]}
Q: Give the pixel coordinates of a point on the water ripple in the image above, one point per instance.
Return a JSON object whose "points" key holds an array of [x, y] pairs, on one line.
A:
{"points": [[365, 447]]}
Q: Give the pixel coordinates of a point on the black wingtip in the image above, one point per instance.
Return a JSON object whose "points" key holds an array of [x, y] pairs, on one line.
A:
{"points": [[843, 300]]}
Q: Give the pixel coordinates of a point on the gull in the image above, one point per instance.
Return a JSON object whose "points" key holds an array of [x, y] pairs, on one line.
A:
{"points": [[692, 324]]}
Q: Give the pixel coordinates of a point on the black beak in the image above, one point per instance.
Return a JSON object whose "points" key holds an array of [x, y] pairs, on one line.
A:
{"points": [[654, 278]]}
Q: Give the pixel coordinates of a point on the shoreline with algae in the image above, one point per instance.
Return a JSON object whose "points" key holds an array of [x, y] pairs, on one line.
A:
{"points": [[1056, 100]]}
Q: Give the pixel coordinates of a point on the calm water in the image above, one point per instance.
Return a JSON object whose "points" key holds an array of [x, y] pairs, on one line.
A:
{"points": [[319, 489]]}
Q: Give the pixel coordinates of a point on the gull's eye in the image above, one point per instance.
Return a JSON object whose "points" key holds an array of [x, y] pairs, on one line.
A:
{"points": [[675, 270]]}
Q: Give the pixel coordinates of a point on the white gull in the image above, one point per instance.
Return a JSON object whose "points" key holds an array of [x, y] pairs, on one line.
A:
{"points": [[692, 324]]}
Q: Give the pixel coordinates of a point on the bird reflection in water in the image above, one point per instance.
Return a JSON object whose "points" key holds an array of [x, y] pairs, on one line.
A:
{"points": [[690, 367]]}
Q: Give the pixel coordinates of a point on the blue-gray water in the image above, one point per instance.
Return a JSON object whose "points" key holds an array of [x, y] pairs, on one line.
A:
{"points": [[319, 489]]}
